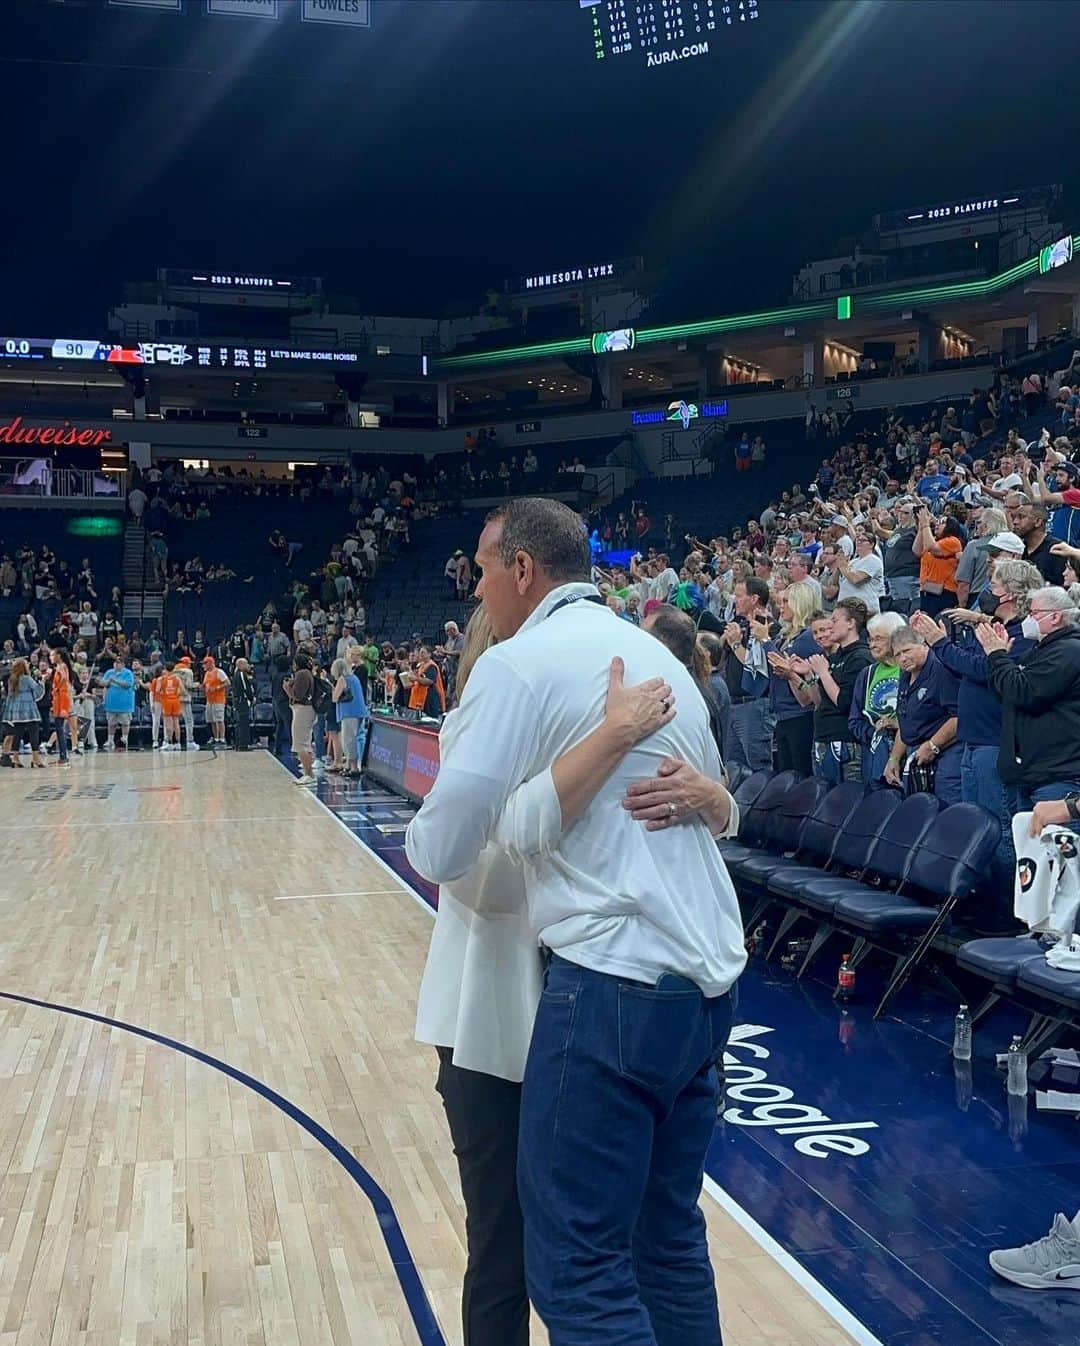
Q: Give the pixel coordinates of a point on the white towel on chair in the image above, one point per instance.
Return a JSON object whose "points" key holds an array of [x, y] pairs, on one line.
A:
{"points": [[1047, 890]]}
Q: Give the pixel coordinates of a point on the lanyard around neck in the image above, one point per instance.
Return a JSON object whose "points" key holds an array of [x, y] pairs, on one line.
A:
{"points": [[575, 598]]}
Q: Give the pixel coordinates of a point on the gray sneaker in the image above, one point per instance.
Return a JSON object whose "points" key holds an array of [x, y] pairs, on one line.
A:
{"points": [[1053, 1263]]}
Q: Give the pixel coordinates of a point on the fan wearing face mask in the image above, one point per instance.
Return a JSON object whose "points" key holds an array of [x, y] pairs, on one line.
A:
{"points": [[978, 732], [1039, 758]]}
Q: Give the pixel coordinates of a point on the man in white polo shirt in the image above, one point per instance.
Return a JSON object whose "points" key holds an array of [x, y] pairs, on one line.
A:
{"points": [[643, 928]]}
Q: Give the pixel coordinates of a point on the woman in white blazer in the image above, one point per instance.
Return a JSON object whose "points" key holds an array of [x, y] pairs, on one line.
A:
{"points": [[484, 974]]}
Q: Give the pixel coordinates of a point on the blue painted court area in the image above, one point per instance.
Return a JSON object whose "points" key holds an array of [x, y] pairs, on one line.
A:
{"points": [[887, 1171]]}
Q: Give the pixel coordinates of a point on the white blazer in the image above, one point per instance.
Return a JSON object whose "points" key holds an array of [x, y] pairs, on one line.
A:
{"points": [[484, 970]]}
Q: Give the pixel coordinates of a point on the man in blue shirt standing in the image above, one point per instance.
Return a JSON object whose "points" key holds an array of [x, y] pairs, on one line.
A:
{"points": [[119, 684], [932, 483]]}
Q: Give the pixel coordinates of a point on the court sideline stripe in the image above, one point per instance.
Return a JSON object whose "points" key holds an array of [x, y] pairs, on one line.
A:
{"points": [[427, 1328], [824, 1298], [404, 887]]}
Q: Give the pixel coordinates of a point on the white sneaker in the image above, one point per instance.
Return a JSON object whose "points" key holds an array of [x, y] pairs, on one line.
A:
{"points": [[193, 747], [306, 780], [1052, 1263]]}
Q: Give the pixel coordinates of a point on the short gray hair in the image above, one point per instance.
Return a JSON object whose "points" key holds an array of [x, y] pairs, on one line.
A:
{"points": [[339, 668], [904, 636], [993, 521], [548, 531], [1055, 599], [1019, 579], [886, 622]]}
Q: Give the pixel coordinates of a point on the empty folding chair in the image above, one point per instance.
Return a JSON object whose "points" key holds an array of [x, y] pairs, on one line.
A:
{"points": [[751, 830], [1052, 989], [999, 960], [889, 859], [948, 863]]}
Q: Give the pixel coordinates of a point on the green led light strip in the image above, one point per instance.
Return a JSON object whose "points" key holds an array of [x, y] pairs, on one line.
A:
{"points": [[875, 303], [579, 346], [741, 320]]}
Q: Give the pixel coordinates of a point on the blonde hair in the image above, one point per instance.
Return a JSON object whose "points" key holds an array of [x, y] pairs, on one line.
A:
{"points": [[801, 597], [479, 637]]}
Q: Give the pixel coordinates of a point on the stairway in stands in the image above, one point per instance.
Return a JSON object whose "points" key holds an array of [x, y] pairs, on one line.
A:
{"points": [[144, 598]]}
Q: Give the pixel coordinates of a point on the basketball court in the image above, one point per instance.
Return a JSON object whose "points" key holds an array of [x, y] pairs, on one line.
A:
{"points": [[215, 1125]]}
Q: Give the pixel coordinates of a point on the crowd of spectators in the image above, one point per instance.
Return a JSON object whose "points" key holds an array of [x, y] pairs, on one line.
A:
{"points": [[911, 618]]}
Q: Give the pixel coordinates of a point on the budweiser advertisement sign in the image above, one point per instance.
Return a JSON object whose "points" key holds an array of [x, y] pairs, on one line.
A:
{"points": [[64, 436]]}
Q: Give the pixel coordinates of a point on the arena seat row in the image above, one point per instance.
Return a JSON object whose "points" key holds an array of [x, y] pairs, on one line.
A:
{"points": [[1018, 972], [886, 870]]}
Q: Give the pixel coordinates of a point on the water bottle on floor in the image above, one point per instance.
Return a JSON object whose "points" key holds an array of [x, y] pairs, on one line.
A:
{"points": [[1017, 1073], [961, 1042]]}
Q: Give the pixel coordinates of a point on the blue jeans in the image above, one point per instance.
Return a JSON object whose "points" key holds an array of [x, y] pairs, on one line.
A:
{"points": [[282, 730], [1023, 800], [981, 784], [948, 777], [904, 592], [934, 604], [752, 722], [61, 727], [618, 1108], [838, 761], [874, 758]]}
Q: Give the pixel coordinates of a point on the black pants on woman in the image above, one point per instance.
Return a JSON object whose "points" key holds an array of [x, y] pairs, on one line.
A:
{"points": [[482, 1112], [794, 740]]}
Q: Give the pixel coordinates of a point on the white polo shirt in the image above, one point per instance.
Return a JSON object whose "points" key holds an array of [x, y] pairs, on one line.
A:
{"points": [[872, 588], [608, 895]]}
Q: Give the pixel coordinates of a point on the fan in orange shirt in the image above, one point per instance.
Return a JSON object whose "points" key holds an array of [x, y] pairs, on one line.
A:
{"points": [[166, 689], [63, 704], [216, 687]]}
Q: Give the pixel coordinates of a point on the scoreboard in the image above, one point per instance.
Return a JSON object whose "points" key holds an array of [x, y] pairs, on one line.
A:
{"points": [[193, 356], [664, 32]]}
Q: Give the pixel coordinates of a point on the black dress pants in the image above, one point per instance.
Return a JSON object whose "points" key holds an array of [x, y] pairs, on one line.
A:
{"points": [[794, 740], [243, 728], [482, 1112]]}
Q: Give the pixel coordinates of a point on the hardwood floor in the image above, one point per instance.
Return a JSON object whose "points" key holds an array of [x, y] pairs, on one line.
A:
{"points": [[147, 1197]]}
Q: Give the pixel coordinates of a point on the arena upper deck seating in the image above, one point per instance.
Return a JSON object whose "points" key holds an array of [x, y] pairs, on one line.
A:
{"points": [[236, 536]]}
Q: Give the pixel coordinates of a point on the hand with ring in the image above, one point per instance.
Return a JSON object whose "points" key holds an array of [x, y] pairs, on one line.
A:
{"points": [[675, 793], [634, 713]]}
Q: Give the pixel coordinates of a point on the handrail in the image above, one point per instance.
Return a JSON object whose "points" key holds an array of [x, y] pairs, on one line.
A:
{"points": [[637, 461], [142, 586], [600, 483], [76, 483], [38, 477], [672, 453]]}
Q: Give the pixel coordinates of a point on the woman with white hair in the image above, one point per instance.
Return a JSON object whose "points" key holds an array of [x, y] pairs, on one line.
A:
{"points": [[978, 732], [1040, 702], [351, 712], [872, 718]]}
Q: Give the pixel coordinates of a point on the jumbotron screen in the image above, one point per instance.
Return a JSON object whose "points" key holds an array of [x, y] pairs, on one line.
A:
{"points": [[665, 32]]}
